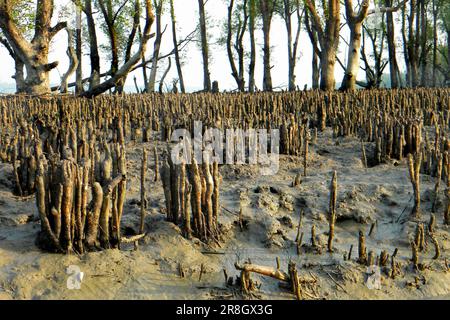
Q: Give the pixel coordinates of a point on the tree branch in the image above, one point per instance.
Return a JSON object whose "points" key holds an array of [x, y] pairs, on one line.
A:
{"points": [[57, 28], [388, 9], [125, 69]]}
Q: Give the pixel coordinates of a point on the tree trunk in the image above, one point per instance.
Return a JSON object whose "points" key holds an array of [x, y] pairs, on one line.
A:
{"points": [[144, 64], [175, 45], [406, 48], [205, 49], [109, 17], [291, 60], [128, 66], [435, 43], [390, 32], [413, 45], [163, 78], [327, 64], [349, 82], [251, 71], [93, 45], [292, 44], [240, 45], [73, 62], [130, 42], [79, 53], [448, 54], [355, 24], [267, 8], [19, 76], [312, 33], [315, 71], [156, 48], [34, 54], [237, 75], [424, 80], [234, 71], [328, 37]]}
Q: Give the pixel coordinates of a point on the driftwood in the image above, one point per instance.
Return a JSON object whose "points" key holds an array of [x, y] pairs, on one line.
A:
{"points": [[265, 271]]}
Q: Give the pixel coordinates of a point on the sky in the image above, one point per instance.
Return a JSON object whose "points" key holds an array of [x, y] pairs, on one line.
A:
{"points": [[187, 20]]}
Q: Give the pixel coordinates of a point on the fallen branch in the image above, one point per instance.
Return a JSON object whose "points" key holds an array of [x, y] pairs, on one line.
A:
{"points": [[265, 271], [133, 238]]}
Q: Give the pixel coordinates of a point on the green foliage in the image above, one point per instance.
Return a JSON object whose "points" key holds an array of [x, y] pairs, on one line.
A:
{"points": [[444, 15], [24, 14]]}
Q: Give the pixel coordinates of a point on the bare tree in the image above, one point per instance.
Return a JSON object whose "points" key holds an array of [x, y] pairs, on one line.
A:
{"points": [[115, 30], [239, 28], [252, 26], [175, 45], [33, 54], [374, 65], [204, 45], [290, 7], [121, 74]]}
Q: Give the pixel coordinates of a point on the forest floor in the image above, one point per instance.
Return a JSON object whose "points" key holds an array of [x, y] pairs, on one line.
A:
{"points": [[270, 207]]}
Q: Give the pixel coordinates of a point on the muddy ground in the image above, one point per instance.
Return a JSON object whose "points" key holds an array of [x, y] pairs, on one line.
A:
{"points": [[271, 208]]}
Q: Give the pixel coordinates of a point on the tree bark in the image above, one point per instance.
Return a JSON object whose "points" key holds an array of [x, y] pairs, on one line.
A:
{"points": [[251, 71], [129, 45], [175, 46], [79, 52], [205, 49], [19, 76], [267, 9], [73, 62], [156, 47], [424, 79], [163, 78], [354, 22], [239, 46], [435, 42], [328, 37], [238, 75], [292, 43], [93, 45], [412, 46], [109, 17], [312, 33], [390, 32], [33, 54]]}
